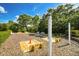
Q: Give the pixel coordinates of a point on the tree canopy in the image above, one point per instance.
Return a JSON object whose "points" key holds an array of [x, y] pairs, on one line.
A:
{"points": [[61, 16]]}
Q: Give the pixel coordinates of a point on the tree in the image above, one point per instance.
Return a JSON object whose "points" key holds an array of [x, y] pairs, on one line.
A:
{"points": [[14, 27], [10, 23], [24, 21], [60, 18], [35, 22], [43, 25]]}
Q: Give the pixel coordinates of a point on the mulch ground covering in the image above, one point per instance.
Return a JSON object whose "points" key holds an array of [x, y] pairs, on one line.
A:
{"points": [[11, 47]]}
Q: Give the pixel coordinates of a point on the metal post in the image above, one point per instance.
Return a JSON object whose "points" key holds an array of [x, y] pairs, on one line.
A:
{"points": [[50, 34], [69, 33]]}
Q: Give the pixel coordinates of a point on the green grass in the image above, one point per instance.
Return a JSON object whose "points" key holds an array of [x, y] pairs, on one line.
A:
{"points": [[3, 36]]}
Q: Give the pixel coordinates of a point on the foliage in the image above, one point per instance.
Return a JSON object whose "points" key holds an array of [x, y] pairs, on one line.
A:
{"points": [[61, 16], [22, 29], [14, 27], [24, 21], [35, 23], [3, 27], [10, 23], [43, 25], [75, 33]]}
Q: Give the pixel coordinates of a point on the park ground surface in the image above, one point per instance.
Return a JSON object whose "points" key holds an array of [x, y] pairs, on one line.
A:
{"points": [[11, 47]]}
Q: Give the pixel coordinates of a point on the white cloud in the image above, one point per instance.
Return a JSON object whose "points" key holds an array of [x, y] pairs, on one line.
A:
{"points": [[2, 10], [75, 6], [16, 17]]}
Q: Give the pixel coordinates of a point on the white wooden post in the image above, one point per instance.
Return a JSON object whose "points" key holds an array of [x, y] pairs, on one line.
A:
{"points": [[50, 35], [69, 32]]}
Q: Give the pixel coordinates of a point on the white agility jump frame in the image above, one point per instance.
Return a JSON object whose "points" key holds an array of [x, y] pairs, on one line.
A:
{"points": [[69, 33], [50, 34]]}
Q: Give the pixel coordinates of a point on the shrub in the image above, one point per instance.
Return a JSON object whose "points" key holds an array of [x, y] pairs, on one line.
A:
{"points": [[75, 33], [22, 30], [14, 27], [3, 27]]}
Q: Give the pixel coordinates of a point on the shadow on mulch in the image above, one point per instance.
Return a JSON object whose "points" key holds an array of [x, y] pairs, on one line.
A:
{"points": [[63, 45], [75, 39], [31, 34], [41, 36]]}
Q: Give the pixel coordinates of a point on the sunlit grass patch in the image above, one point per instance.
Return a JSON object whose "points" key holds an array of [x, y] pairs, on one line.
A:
{"points": [[3, 36]]}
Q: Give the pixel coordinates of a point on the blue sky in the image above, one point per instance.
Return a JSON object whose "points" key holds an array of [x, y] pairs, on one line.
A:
{"points": [[9, 11]]}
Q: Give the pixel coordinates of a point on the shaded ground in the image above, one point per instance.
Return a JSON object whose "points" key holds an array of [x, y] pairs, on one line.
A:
{"points": [[11, 47], [64, 49]]}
